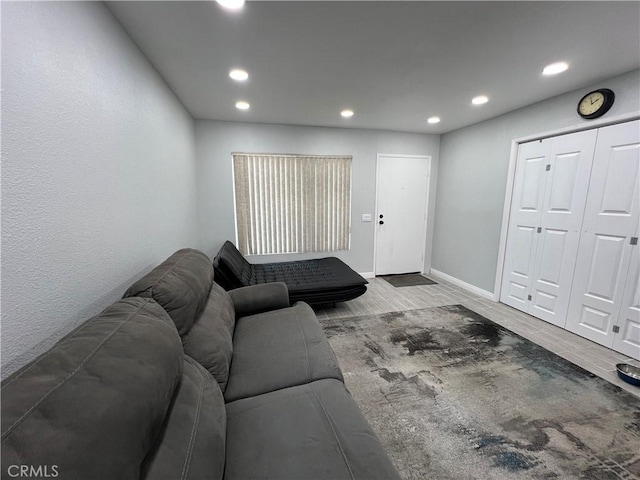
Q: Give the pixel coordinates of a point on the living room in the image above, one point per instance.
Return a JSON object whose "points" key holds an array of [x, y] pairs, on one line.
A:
{"points": [[106, 171]]}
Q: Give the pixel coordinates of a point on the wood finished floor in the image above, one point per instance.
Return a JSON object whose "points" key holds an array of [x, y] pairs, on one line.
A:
{"points": [[382, 297]]}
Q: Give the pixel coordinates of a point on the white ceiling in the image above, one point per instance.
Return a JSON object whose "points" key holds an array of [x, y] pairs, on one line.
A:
{"points": [[394, 63]]}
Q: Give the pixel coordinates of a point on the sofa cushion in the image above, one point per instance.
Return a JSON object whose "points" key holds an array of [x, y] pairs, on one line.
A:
{"points": [[93, 404], [210, 339], [278, 349], [180, 285], [259, 298], [313, 431], [192, 442]]}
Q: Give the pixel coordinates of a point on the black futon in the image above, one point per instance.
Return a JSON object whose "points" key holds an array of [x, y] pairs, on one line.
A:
{"points": [[316, 282]]}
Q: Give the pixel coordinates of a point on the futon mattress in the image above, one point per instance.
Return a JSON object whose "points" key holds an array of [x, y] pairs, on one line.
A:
{"points": [[317, 281]]}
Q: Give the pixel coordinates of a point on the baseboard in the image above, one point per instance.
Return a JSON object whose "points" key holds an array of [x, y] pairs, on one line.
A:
{"points": [[464, 285], [367, 275]]}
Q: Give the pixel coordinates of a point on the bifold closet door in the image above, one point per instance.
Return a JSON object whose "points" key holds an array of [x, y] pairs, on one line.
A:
{"points": [[550, 190], [568, 173], [607, 241], [526, 208]]}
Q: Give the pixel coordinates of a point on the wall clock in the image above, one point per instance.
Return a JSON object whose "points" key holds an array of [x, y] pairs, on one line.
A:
{"points": [[595, 104]]}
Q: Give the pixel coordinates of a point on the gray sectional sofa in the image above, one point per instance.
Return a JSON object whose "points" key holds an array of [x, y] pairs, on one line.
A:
{"points": [[182, 380]]}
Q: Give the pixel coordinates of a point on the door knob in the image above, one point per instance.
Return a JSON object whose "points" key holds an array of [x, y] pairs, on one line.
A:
{"points": [[381, 222], [381, 216]]}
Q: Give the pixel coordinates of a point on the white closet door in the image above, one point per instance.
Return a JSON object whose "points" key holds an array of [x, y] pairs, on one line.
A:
{"points": [[627, 339], [569, 169], [526, 209], [611, 219]]}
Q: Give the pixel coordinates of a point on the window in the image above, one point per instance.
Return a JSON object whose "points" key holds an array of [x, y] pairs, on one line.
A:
{"points": [[292, 203]]}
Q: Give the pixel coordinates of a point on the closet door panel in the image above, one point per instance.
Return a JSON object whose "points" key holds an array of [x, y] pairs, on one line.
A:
{"points": [[522, 237], [604, 270], [611, 219], [564, 201], [627, 339], [553, 247]]}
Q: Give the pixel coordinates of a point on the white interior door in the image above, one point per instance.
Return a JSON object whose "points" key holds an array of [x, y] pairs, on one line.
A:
{"points": [[611, 220], [401, 217], [526, 210], [549, 195], [567, 173], [627, 337]]}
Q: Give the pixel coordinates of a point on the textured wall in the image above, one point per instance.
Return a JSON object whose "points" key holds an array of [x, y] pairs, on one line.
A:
{"points": [[98, 170], [215, 141], [473, 178]]}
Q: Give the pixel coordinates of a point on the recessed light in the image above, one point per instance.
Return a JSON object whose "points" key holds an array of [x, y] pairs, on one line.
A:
{"points": [[479, 100], [242, 105], [433, 120], [346, 113], [231, 4], [555, 68], [238, 74]]}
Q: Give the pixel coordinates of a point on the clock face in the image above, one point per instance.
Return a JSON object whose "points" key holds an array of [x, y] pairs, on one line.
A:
{"points": [[595, 104], [591, 103]]}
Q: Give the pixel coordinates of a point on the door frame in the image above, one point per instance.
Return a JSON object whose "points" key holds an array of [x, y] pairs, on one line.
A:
{"points": [[427, 159], [511, 173]]}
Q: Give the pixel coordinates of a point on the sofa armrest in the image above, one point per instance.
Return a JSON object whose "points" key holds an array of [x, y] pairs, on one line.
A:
{"points": [[259, 298]]}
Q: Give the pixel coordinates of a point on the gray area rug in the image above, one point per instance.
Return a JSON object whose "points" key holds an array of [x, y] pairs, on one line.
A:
{"points": [[408, 280], [453, 395]]}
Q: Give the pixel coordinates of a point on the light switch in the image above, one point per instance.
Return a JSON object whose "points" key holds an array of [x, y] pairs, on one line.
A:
{"points": [[366, 217]]}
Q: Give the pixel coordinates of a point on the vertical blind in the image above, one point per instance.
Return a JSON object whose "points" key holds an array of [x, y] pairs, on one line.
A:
{"points": [[292, 203]]}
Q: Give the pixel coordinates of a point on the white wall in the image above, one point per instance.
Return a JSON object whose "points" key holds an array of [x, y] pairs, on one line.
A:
{"points": [[215, 141], [473, 177], [98, 170]]}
